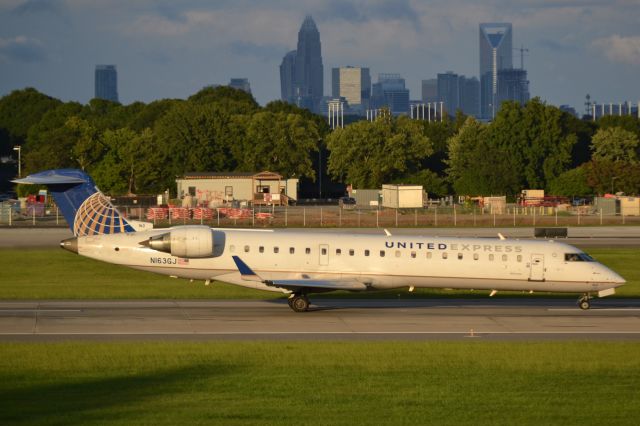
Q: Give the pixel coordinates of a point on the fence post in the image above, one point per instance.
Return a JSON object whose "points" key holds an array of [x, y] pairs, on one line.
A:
{"points": [[218, 214], [253, 217], [474, 216], [415, 217], [377, 216], [170, 217], [396, 218], [534, 216], [286, 216], [320, 217], [600, 216], [455, 216], [304, 216], [494, 219], [57, 215], [33, 210], [622, 218], [339, 217], [359, 214], [556, 216], [435, 216]]}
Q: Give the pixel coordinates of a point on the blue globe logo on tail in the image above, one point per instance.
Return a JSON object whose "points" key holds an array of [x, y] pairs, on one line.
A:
{"points": [[84, 207]]}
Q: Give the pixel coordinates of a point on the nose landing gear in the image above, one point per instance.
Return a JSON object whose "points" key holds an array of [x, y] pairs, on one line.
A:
{"points": [[299, 302], [583, 302]]}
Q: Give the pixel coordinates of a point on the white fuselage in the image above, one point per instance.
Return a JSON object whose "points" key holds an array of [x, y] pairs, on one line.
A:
{"points": [[377, 261]]}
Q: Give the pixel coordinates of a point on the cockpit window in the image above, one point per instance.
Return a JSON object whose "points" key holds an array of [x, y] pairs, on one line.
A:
{"points": [[577, 257]]}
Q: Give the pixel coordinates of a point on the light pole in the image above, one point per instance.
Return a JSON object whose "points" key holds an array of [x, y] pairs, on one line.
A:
{"points": [[19, 149]]}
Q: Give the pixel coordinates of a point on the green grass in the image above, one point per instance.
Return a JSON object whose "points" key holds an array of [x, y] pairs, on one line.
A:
{"points": [[57, 274], [328, 383]]}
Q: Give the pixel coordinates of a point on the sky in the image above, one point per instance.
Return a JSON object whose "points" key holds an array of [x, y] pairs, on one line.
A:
{"points": [[173, 48]]}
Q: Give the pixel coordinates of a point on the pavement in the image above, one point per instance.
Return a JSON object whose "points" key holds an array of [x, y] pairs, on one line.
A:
{"points": [[329, 319]]}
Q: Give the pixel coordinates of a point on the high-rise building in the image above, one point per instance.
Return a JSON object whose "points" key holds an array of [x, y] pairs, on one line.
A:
{"points": [[288, 77], [470, 96], [513, 85], [354, 85], [240, 84], [309, 78], [390, 92], [106, 82], [430, 90], [449, 91], [495, 55]]}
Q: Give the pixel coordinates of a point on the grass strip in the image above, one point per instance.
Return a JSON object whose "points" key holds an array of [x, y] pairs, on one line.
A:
{"points": [[339, 383]]}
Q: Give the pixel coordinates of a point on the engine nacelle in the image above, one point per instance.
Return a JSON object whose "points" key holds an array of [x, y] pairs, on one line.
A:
{"points": [[191, 241]]}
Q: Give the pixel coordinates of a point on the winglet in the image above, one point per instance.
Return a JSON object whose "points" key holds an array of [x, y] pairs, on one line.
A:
{"points": [[246, 273], [502, 237], [386, 231]]}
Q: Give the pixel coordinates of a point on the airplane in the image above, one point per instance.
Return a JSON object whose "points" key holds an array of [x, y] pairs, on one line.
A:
{"points": [[299, 263]]}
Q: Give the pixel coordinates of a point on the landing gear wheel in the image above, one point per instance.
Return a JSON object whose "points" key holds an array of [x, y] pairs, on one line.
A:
{"points": [[584, 303], [299, 303]]}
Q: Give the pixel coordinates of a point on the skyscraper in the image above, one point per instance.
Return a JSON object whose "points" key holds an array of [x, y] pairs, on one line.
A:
{"points": [[288, 77], [240, 84], [430, 90], [106, 82], [449, 91], [353, 84], [301, 78], [513, 85], [390, 92], [495, 54], [470, 96]]}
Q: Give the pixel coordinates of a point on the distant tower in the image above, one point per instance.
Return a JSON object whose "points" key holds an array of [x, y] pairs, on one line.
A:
{"points": [[288, 77], [240, 84], [353, 84], [106, 83], [495, 54], [309, 72], [449, 91]]}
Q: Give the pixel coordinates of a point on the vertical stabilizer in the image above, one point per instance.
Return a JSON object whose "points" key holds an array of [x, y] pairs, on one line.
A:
{"points": [[87, 210]]}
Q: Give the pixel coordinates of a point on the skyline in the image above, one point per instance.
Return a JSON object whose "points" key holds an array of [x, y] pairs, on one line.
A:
{"points": [[164, 50]]}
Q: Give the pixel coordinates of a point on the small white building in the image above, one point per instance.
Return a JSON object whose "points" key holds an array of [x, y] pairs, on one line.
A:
{"points": [[403, 196], [253, 188]]}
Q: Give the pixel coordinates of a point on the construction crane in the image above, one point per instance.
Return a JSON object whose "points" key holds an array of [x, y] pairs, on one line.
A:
{"points": [[522, 50]]}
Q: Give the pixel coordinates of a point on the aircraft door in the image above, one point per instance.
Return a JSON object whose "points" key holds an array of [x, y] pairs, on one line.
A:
{"points": [[324, 254], [537, 267]]}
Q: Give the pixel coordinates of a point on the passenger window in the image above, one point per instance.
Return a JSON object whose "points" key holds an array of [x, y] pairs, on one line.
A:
{"points": [[292, 250], [444, 255], [307, 250], [504, 257], [413, 254], [476, 256], [324, 251], [261, 249], [429, 255], [459, 256], [246, 249], [351, 252], [366, 252], [232, 248], [519, 258], [398, 253], [491, 257], [338, 252], [382, 253], [276, 249]]}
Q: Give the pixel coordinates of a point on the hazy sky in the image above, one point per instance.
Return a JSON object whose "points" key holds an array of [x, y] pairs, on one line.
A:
{"points": [[173, 48]]}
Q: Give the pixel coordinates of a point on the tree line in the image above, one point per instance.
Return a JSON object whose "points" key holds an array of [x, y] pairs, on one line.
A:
{"points": [[142, 148]]}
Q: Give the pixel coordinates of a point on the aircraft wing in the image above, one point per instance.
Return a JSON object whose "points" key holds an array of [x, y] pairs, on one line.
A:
{"points": [[248, 274]]}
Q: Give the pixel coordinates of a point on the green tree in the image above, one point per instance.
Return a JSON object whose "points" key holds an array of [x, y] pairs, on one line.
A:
{"points": [[88, 148], [368, 154], [279, 142], [50, 142], [615, 144], [606, 176], [434, 185], [234, 101], [572, 183], [19, 111]]}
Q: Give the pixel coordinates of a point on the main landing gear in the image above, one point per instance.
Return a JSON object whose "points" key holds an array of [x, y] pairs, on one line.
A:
{"points": [[583, 302], [299, 302]]}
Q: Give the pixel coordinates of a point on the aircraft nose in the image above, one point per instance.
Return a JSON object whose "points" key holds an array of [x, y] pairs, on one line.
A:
{"points": [[70, 244]]}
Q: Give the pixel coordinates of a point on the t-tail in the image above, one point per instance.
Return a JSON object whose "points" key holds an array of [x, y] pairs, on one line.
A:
{"points": [[87, 210]]}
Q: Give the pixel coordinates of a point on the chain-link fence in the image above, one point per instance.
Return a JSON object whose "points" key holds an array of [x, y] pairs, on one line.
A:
{"points": [[333, 216]]}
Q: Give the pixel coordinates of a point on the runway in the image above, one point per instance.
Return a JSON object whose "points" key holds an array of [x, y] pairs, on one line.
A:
{"points": [[329, 319]]}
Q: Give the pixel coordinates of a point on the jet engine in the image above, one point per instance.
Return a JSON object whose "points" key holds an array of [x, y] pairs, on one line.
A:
{"points": [[191, 241]]}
